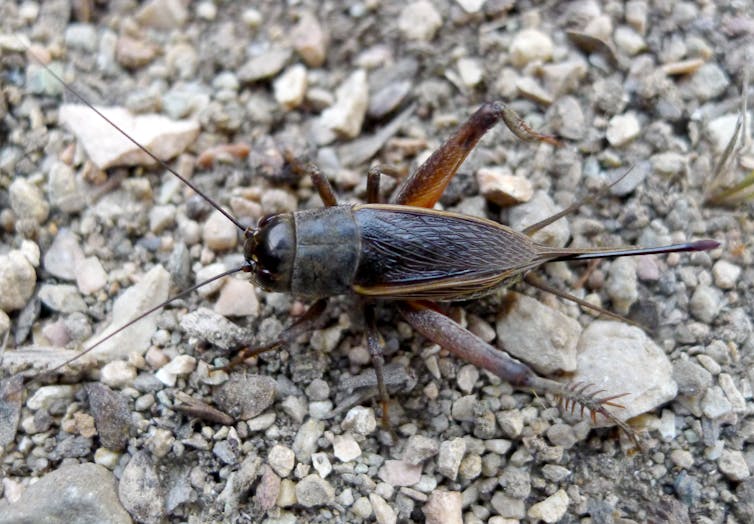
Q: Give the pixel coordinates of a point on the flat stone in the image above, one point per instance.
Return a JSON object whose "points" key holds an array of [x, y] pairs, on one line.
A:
{"points": [[541, 336], [246, 396], [83, 493], [106, 147], [150, 291], [619, 358], [313, 491], [140, 489], [444, 507], [112, 416]]}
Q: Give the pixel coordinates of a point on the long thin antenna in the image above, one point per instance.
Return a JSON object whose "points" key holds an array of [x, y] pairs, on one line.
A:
{"points": [[135, 320], [145, 149]]}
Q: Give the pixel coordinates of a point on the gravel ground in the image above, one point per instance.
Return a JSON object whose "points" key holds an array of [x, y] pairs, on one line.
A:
{"points": [[149, 430]]}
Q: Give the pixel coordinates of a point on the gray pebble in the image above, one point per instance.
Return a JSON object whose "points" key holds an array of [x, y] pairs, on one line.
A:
{"points": [[419, 21], [245, 396], [11, 395], [27, 201], [705, 303], [622, 284], [709, 81], [63, 256], [82, 493], [313, 491], [112, 416], [305, 443], [140, 489], [281, 459], [733, 465], [264, 66], [82, 37], [62, 297], [207, 325], [714, 404], [17, 281], [450, 456], [540, 207], [360, 420]]}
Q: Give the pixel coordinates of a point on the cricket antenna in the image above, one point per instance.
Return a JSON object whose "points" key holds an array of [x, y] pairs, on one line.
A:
{"points": [[145, 149], [133, 321]]}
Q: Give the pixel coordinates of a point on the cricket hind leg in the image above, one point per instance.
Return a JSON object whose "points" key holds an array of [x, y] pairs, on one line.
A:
{"points": [[306, 323], [427, 184], [375, 346], [463, 344]]}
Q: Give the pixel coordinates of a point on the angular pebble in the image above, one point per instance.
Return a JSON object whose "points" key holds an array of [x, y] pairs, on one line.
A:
{"points": [[245, 396], [310, 40], [150, 291], [164, 137], [290, 87], [281, 459], [219, 233], [450, 456], [360, 420], [313, 491], [346, 116], [11, 395], [540, 207], [62, 297], [17, 281], [501, 187], [27, 201], [725, 274], [444, 507], [180, 365], [733, 465], [383, 512], [345, 448], [140, 490], [238, 298], [529, 45], [63, 256], [90, 275], [400, 473], [112, 417], [551, 509], [207, 325], [622, 129], [539, 335], [622, 284], [419, 21], [305, 442], [619, 358], [705, 303]]}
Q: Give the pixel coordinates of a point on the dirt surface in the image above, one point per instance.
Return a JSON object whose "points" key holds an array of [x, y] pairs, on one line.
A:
{"points": [[294, 435]]}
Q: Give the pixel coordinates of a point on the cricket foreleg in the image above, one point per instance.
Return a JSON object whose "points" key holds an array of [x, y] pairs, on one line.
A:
{"points": [[463, 344], [307, 322]]}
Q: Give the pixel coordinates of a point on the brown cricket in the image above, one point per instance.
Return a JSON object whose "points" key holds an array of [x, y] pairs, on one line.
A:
{"points": [[410, 253]]}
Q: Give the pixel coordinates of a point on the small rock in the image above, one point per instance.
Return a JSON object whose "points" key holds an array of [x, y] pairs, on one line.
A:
{"points": [[162, 14], [238, 298], [346, 116], [419, 21], [725, 274], [567, 118], [733, 465], [268, 489], [444, 507], [63, 256], [161, 218], [164, 137], [628, 40], [219, 234], [529, 45], [180, 365], [705, 303], [732, 393], [73, 493], [46, 395], [622, 284], [63, 189], [207, 325], [264, 66], [539, 335], [112, 416], [360, 420], [551, 509], [118, 374], [507, 506], [27, 201], [709, 81], [140, 489], [511, 422], [540, 207], [467, 377], [17, 281], [310, 40], [313, 491], [419, 448], [622, 129], [450, 456], [470, 70], [133, 53], [501, 187], [290, 87], [669, 163], [714, 404], [150, 291], [305, 442], [82, 37], [245, 396], [90, 275], [618, 358], [239, 482], [383, 513], [400, 473], [562, 435], [62, 297], [11, 396], [281, 459], [345, 448], [322, 464], [682, 458]]}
